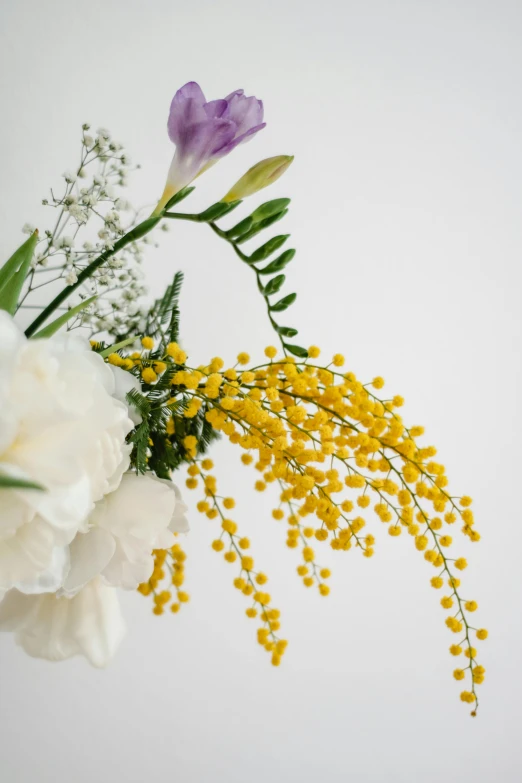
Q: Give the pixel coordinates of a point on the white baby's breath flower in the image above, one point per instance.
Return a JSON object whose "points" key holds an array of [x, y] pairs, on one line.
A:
{"points": [[69, 177], [78, 213], [71, 277], [28, 228]]}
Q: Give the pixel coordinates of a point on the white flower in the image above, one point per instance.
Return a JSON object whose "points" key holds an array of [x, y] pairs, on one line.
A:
{"points": [[28, 228], [77, 213], [60, 426], [83, 617], [125, 526], [71, 277], [52, 627]]}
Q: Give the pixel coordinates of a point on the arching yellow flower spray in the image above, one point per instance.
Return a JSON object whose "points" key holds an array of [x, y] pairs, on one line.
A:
{"points": [[341, 456]]}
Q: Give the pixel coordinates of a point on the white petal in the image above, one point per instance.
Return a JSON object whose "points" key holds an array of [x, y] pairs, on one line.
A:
{"points": [[27, 553], [124, 383], [89, 553], [98, 623], [142, 506], [51, 580], [90, 624]]}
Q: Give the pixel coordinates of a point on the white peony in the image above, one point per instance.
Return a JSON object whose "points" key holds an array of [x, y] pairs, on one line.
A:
{"points": [[55, 628], [84, 617], [61, 426]]}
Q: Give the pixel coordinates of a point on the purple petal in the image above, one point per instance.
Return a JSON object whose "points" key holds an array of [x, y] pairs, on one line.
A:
{"points": [[240, 139], [245, 112], [215, 108], [236, 92], [197, 144], [187, 107]]}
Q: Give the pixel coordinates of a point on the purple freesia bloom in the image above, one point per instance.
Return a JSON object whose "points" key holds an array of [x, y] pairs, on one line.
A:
{"points": [[205, 131]]}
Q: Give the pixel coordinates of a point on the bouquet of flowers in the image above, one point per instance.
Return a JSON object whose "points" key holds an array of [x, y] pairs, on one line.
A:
{"points": [[100, 405]]}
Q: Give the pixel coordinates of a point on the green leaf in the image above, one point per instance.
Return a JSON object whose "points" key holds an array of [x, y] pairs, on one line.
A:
{"points": [[302, 353], [53, 327], [141, 229], [9, 482], [14, 272], [139, 402], [178, 197], [283, 303], [117, 346], [268, 248], [240, 228], [270, 208], [273, 285], [278, 264], [217, 211], [13, 264], [286, 331], [257, 227]]}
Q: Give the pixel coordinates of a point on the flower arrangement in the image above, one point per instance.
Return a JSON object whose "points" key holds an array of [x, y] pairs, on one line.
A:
{"points": [[92, 431]]}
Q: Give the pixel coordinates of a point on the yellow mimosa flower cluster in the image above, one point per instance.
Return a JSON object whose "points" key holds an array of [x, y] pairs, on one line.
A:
{"points": [[336, 451]]}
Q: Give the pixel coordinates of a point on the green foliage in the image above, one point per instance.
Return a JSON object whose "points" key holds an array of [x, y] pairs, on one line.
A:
{"points": [[14, 272], [178, 197], [10, 482], [283, 303], [55, 325], [261, 218], [217, 211]]}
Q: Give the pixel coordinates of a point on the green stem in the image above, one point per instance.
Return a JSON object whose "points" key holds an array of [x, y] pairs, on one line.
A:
{"points": [[134, 234]]}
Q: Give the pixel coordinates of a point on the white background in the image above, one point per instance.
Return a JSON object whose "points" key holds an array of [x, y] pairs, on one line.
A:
{"points": [[406, 124]]}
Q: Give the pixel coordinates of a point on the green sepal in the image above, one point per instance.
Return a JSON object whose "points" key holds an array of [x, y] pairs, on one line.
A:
{"points": [[14, 272], [258, 227], [183, 193], [10, 482], [118, 346], [283, 303], [273, 285], [270, 208], [53, 327], [278, 264], [302, 353], [217, 211], [268, 248], [141, 229]]}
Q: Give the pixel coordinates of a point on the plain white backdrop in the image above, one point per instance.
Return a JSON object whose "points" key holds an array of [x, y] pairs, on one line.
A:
{"points": [[406, 124]]}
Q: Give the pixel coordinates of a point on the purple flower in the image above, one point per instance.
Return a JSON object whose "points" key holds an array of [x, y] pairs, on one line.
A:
{"points": [[205, 131]]}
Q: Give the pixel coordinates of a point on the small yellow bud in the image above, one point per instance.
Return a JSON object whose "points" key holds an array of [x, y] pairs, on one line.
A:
{"points": [[258, 177]]}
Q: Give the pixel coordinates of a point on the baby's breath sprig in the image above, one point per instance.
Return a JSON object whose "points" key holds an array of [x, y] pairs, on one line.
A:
{"points": [[93, 247]]}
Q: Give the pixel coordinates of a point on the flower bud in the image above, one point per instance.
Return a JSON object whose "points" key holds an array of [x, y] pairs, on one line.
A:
{"points": [[258, 177]]}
